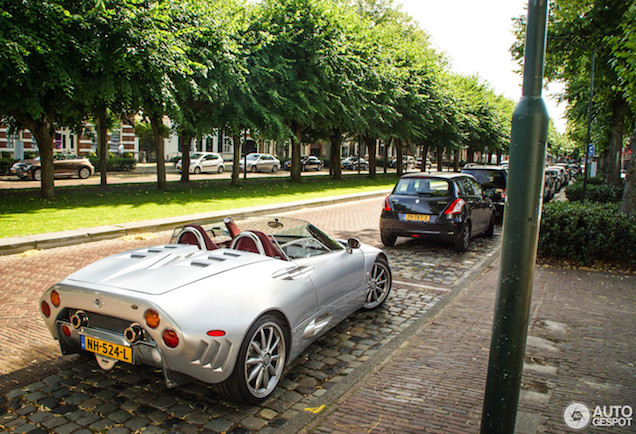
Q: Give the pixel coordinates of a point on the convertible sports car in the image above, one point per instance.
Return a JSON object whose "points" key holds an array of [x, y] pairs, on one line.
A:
{"points": [[224, 305]]}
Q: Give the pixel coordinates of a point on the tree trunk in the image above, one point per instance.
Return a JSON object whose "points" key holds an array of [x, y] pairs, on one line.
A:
{"points": [[236, 166], [44, 132], [440, 158], [456, 160], [628, 205], [424, 157], [102, 145], [295, 168], [398, 157], [617, 130], [185, 144], [385, 154], [334, 163], [157, 133], [371, 147]]}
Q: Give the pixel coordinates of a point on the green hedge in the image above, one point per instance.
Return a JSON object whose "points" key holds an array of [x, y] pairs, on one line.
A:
{"points": [[587, 233], [115, 164], [5, 165], [597, 190]]}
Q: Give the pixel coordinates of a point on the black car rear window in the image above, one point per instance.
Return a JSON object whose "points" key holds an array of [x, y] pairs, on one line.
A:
{"points": [[488, 178], [423, 187]]}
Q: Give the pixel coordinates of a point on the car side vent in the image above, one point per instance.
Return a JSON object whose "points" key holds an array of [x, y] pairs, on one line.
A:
{"points": [[201, 264], [231, 254], [138, 255], [216, 258], [213, 355]]}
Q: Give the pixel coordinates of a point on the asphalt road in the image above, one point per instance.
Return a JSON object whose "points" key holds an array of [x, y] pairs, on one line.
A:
{"points": [[41, 390]]}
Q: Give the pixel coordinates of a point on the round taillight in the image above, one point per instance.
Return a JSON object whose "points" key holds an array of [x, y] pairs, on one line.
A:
{"points": [[66, 330], [170, 338], [216, 333], [46, 309], [152, 318], [55, 298]]}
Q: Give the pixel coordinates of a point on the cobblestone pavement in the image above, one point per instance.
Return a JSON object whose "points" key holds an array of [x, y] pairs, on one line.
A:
{"points": [[43, 392]]}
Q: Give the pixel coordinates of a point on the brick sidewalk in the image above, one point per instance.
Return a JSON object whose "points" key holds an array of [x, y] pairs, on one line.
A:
{"points": [[580, 348]]}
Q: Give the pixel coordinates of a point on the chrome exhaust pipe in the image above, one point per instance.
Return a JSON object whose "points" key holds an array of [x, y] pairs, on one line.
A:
{"points": [[79, 319], [134, 333]]}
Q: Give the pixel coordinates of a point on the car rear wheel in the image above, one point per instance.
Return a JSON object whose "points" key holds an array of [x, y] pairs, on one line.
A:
{"points": [[260, 364], [388, 240], [463, 240], [221, 169], [197, 170], [274, 169], [491, 226], [84, 172], [254, 169], [379, 284], [37, 174]]}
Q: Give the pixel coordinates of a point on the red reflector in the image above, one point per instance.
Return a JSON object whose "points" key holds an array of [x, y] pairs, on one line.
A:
{"points": [[55, 298], [216, 333], [455, 207], [46, 309], [66, 330], [387, 204], [170, 338], [415, 235]]}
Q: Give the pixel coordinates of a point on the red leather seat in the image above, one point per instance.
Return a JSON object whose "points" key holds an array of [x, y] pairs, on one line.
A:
{"points": [[257, 242], [194, 234]]}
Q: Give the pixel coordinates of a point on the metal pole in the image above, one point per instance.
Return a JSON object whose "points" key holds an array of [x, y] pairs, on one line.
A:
{"points": [[589, 122], [520, 235]]}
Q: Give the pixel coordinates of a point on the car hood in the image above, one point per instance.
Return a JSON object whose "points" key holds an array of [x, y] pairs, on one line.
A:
{"points": [[160, 269]]}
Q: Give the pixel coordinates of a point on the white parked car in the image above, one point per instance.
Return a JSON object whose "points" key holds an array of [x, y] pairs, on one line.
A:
{"points": [[260, 163], [204, 162]]}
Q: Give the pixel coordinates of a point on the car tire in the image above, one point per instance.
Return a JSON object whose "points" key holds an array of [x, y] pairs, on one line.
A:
{"points": [[388, 240], [197, 170], [37, 174], [260, 363], [379, 285], [254, 169], [274, 169], [463, 240], [220, 169], [491, 226], [83, 172]]}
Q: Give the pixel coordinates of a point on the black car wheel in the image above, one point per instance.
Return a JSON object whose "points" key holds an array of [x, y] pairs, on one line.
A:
{"points": [[220, 169], [388, 240], [260, 364], [491, 226], [463, 240], [37, 174], [84, 172], [275, 169], [379, 284], [254, 169], [197, 170]]}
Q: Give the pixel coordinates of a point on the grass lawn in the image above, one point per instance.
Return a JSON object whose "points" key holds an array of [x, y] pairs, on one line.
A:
{"points": [[25, 212]]}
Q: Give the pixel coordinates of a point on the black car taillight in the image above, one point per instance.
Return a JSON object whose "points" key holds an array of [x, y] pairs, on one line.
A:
{"points": [[387, 204]]}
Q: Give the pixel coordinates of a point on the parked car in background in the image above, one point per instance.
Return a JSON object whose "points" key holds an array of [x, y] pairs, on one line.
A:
{"points": [[204, 162], [64, 165], [259, 163], [354, 163], [448, 207], [228, 303], [493, 180], [418, 164], [307, 163], [408, 162], [555, 176], [563, 177], [549, 188]]}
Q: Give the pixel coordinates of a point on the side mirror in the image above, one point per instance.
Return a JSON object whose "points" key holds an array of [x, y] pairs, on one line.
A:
{"points": [[352, 243]]}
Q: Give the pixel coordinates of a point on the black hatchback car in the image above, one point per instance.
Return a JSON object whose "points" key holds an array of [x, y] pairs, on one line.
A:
{"points": [[446, 207]]}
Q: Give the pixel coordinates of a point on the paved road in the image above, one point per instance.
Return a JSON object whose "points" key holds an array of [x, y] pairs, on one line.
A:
{"points": [[40, 390]]}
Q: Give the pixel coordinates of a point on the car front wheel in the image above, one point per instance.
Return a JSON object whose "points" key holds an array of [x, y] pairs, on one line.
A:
{"points": [[37, 174], [379, 284], [221, 169], [260, 364], [254, 169], [274, 169]]}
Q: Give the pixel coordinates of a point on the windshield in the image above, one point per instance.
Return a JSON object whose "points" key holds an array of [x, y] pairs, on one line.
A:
{"points": [[431, 187], [252, 156], [196, 155]]}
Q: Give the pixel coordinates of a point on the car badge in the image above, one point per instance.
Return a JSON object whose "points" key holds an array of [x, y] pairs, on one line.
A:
{"points": [[98, 303]]}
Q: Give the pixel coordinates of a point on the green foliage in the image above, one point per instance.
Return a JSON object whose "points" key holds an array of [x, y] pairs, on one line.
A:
{"points": [[597, 190], [587, 233], [5, 165], [126, 163]]}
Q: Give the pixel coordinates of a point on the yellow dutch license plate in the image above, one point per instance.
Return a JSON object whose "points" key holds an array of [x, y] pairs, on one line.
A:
{"points": [[417, 217], [107, 349]]}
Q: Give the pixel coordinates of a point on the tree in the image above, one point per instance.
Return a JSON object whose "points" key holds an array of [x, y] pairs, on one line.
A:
{"points": [[42, 63]]}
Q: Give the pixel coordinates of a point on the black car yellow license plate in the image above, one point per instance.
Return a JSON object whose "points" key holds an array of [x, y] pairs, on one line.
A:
{"points": [[417, 217], [107, 349]]}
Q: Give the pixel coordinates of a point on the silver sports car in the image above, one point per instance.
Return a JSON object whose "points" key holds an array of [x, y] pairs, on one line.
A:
{"points": [[229, 303]]}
